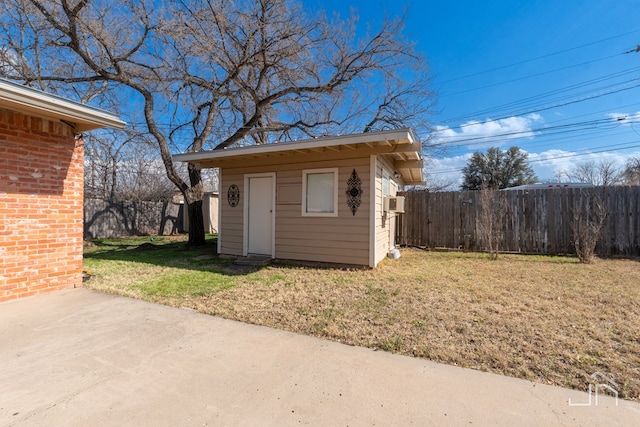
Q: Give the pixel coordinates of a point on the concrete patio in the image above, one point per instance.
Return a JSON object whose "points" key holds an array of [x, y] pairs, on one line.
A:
{"points": [[79, 357]]}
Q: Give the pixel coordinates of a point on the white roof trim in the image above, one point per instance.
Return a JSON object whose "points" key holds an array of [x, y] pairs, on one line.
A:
{"points": [[29, 100], [400, 136]]}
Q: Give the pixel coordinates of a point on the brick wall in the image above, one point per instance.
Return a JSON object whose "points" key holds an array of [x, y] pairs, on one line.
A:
{"points": [[41, 192]]}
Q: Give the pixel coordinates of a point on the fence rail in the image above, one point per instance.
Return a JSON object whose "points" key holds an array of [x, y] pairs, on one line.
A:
{"points": [[119, 219], [536, 220]]}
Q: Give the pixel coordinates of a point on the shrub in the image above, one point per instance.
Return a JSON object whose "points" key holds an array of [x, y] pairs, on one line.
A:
{"points": [[589, 214]]}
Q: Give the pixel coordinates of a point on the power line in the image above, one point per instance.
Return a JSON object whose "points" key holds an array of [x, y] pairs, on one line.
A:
{"points": [[595, 112], [556, 105], [548, 94], [455, 141], [529, 76], [602, 149], [579, 153], [595, 88], [502, 67], [552, 140]]}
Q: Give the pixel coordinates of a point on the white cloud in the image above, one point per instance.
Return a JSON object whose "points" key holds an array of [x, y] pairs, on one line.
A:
{"points": [[552, 162], [446, 170], [477, 136], [545, 164], [625, 118], [489, 133]]}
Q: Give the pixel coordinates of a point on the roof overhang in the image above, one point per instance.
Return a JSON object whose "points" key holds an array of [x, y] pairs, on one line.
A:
{"points": [[400, 146], [41, 104]]}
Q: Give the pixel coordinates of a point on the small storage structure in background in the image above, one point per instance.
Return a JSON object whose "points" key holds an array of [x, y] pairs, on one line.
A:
{"points": [[209, 213]]}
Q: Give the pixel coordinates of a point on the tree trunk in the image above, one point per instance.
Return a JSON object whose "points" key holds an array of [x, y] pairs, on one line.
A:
{"points": [[196, 223], [194, 197]]}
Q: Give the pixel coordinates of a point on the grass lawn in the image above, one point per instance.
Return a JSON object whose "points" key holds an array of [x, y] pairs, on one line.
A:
{"points": [[545, 319]]}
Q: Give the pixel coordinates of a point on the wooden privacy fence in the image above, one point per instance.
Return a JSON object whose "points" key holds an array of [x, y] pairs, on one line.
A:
{"points": [[535, 220], [118, 219]]}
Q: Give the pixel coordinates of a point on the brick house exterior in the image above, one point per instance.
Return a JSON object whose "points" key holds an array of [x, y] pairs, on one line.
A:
{"points": [[41, 189]]}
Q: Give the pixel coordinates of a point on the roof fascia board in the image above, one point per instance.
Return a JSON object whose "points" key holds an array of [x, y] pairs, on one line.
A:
{"points": [[30, 100], [410, 164], [401, 136]]}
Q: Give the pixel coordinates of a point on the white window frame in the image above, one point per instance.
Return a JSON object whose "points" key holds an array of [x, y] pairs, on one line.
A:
{"points": [[393, 190], [307, 172], [386, 184]]}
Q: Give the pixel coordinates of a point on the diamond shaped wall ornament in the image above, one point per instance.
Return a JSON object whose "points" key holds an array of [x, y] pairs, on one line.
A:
{"points": [[354, 192], [233, 195]]}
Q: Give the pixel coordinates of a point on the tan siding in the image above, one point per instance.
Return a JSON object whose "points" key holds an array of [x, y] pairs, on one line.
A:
{"points": [[359, 258], [232, 218], [380, 251], [320, 237], [341, 239], [345, 232], [385, 225]]}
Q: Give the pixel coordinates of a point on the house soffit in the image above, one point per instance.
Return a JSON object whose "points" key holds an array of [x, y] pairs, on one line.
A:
{"points": [[399, 147], [82, 117]]}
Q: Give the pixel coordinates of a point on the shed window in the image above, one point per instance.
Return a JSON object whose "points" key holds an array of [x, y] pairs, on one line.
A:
{"points": [[385, 185], [320, 192]]}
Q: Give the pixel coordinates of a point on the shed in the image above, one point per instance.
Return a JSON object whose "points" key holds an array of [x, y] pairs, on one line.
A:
{"points": [[209, 213], [329, 199], [41, 189]]}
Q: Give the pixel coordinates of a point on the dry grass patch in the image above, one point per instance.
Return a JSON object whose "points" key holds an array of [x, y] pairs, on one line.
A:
{"points": [[545, 319]]}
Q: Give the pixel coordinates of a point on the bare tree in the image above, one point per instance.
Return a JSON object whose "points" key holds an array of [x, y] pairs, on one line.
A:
{"points": [[435, 183], [589, 215], [124, 169], [632, 171], [210, 180], [103, 152], [213, 73], [491, 220], [141, 177], [603, 172]]}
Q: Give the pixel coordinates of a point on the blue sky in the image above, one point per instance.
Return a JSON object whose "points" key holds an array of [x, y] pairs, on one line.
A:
{"points": [[548, 76]]}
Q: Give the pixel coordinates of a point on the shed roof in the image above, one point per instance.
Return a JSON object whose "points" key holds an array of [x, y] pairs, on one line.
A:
{"points": [[32, 101], [400, 146]]}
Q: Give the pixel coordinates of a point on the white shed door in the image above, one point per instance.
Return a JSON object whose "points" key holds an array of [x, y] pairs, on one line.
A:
{"points": [[260, 216]]}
